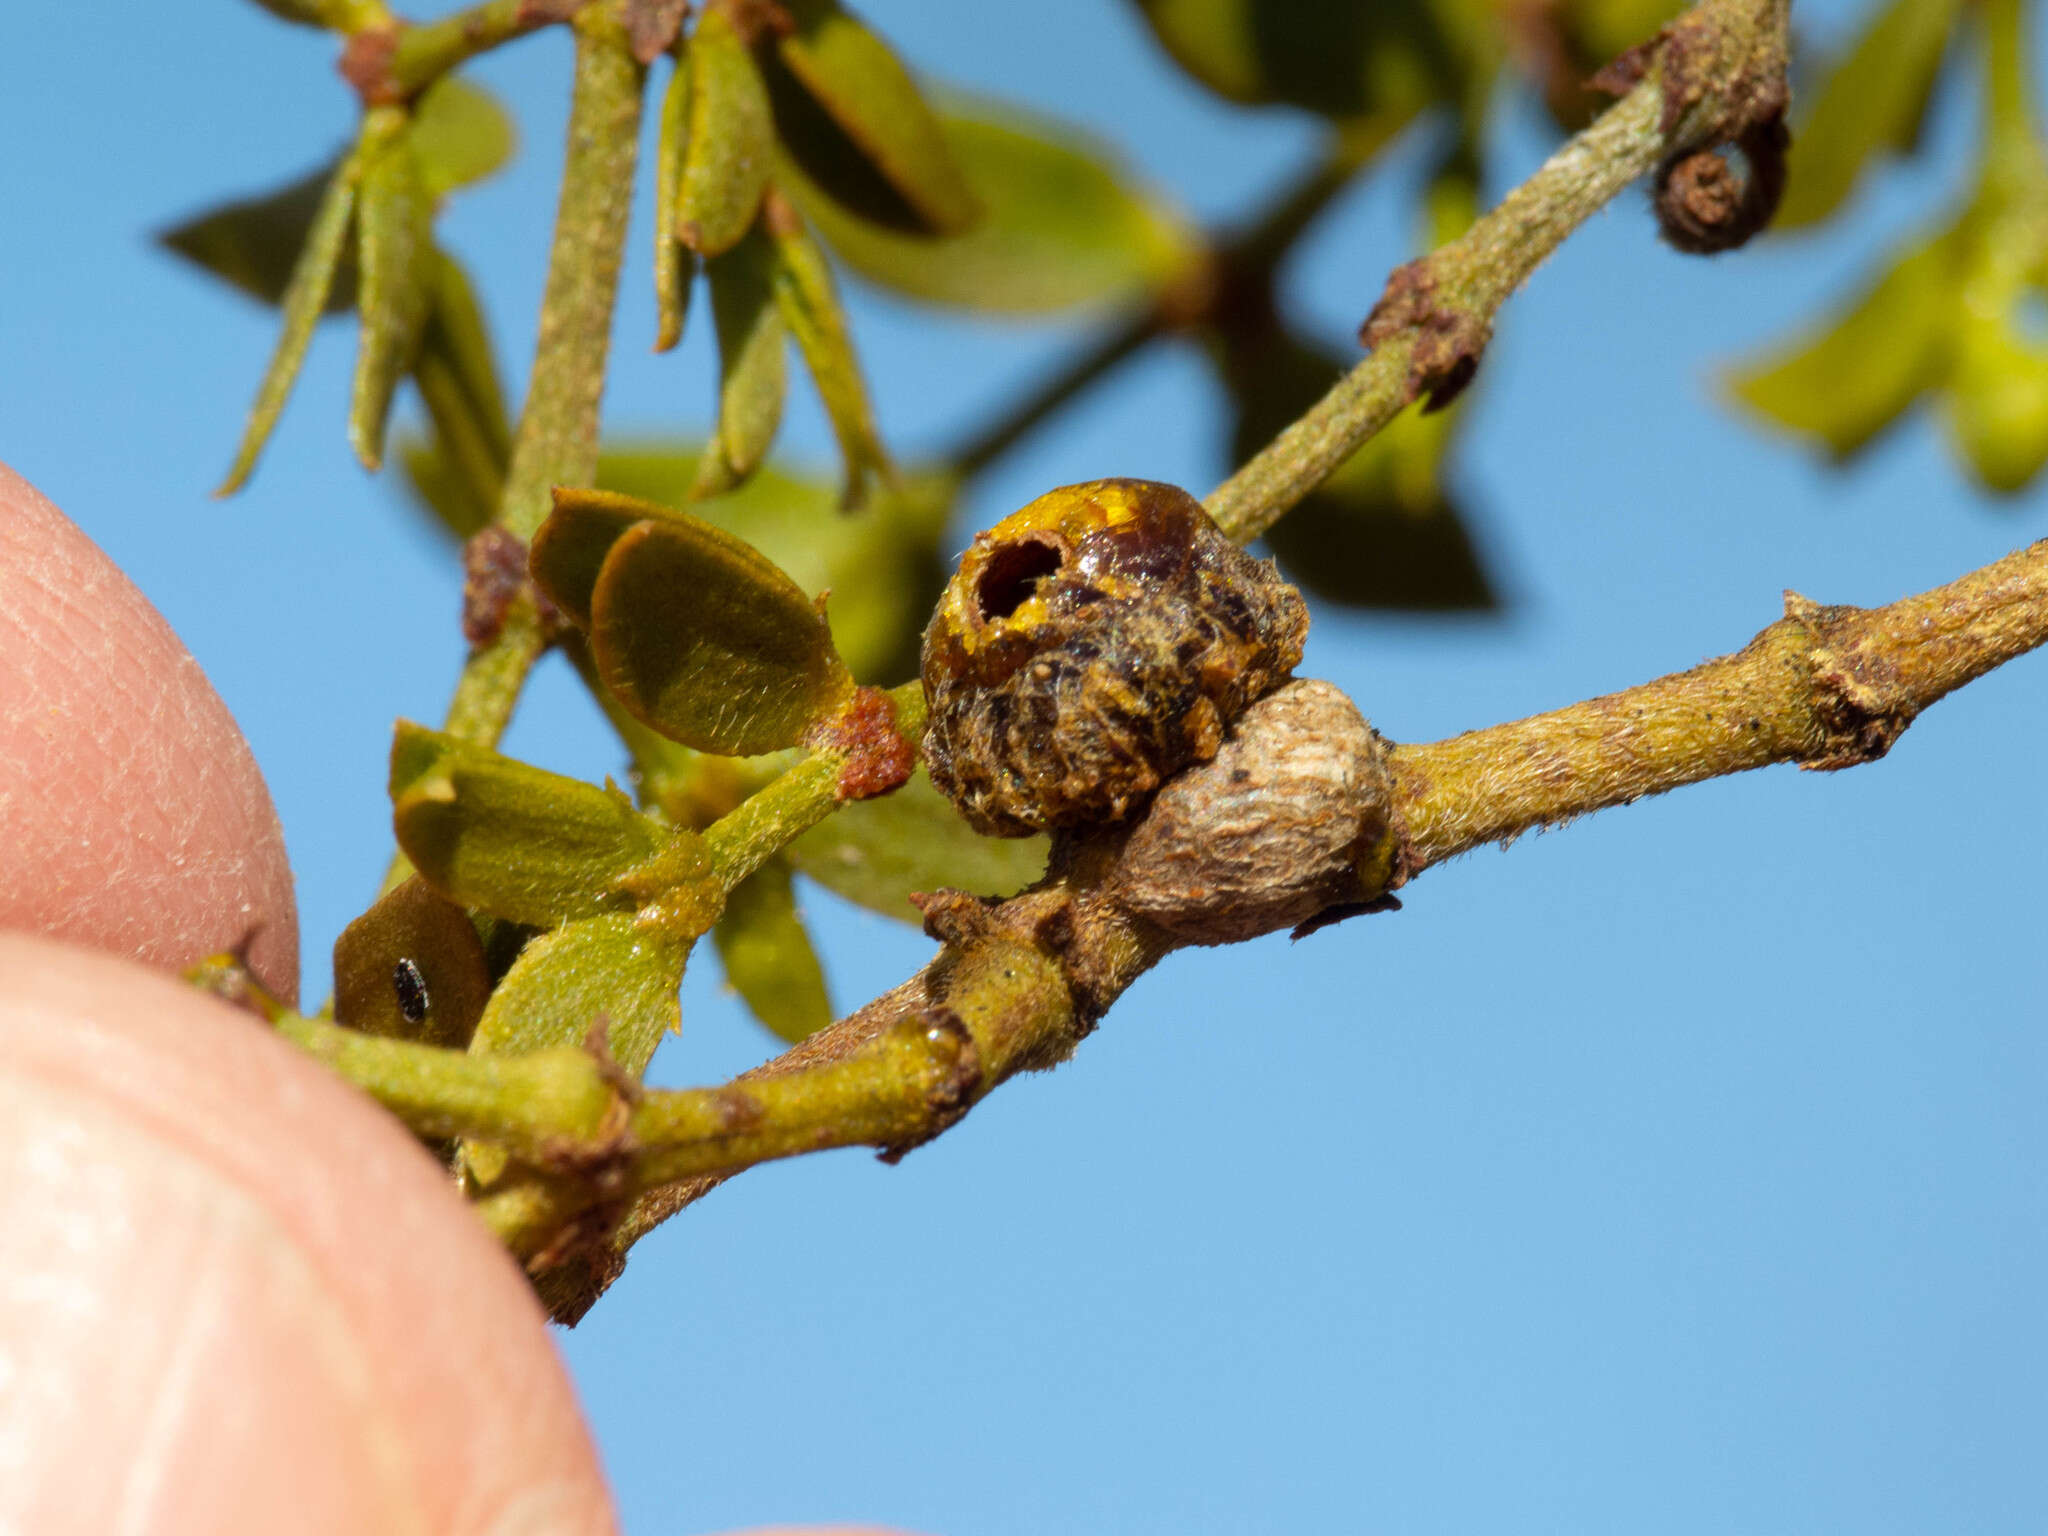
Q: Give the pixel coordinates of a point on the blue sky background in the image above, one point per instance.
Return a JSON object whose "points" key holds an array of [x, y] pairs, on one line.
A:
{"points": [[1682, 1170]]}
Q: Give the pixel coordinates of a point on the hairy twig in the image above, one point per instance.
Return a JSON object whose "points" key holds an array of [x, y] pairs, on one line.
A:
{"points": [[1824, 687], [557, 439]]}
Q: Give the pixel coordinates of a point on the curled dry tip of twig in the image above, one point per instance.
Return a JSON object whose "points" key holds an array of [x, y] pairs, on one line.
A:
{"points": [[1705, 205]]}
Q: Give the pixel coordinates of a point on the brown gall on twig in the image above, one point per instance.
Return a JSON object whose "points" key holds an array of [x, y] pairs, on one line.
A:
{"points": [[1090, 647]]}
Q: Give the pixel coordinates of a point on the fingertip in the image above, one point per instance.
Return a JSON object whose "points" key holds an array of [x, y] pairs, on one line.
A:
{"points": [[135, 818], [240, 1298]]}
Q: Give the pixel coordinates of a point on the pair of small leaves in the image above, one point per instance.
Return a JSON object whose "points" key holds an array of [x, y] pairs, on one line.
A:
{"points": [[294, 248], [695, 632]]}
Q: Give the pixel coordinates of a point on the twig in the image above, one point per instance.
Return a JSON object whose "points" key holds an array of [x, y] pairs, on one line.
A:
{"points": [[1432, 323], [1822, 687]]}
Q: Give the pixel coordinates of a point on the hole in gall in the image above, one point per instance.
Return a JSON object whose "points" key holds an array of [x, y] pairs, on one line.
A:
{"points": [[1012, 575]]}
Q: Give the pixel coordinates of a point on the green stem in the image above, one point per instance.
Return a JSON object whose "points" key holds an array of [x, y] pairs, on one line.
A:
{"points": [[754, 831], [425, 51], [531, 1103], [557, 439]]}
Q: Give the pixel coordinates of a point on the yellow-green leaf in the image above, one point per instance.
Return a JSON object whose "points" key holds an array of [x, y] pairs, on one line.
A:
{"points": [[1998, 403], [850, 107], [672, 271], [768, 957], [413, 968], [1865, 368], [394, 250], [570, 548], [612, 968], [1872, 104], [304, 300], [512, 839], [877, 852], [704, 639], [810, 306], [752, 371], [881, 563], [612, 972], [727, 149], [1062, 226], [460, 134]]}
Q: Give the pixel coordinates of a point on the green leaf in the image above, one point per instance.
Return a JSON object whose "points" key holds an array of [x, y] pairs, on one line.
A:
{"points": [[852, 116], [881, 563], [460, 134], [611, 971], [752, 369], [877, 852], [394, 249], [255, 243], [458, 381], [415, 930], [1063, 227], [304, 299], [671, 271], [1872, 104], [1998, 402], [809, 302], [728, 149], [1381, 62], [571, 547], [1850, 382], [512, 839], [704, 639], [768, 956]]}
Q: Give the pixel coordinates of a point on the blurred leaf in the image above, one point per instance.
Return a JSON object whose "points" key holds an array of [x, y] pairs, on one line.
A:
{"points": [[510, 838], [415, 925], [727, 149], [458, 382], [442, 488], [335, 14], [703, 638], [1383, 61], [752, 369], [1998, 401], [809, 301], [881, 564], [672, 272], [394, 250], [768, 957], [255, 243], [851, 115], [611, 971], [877, 852], [460, 134], [304, 299], [1872, 103], [1867, 366], [1062, 226]]}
